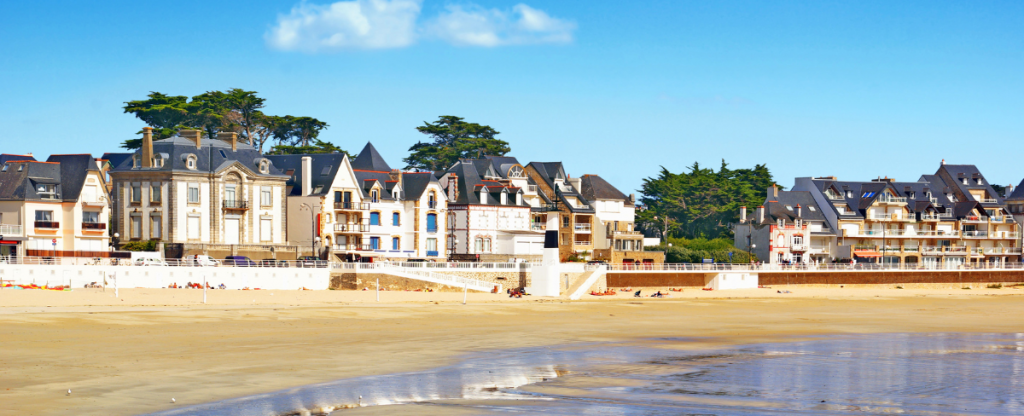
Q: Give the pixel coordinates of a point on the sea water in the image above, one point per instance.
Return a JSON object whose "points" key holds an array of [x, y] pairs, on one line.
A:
{"points": [[911, 374]]}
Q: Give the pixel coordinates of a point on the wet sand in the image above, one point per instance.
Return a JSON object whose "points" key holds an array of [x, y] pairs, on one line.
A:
{"points": [[130, 355]]}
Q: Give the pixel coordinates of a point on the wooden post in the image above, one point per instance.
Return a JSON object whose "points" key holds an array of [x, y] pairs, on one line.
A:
{"points": [[378, 289]]}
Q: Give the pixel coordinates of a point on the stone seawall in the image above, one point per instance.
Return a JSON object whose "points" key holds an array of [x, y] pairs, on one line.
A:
{"points": [[619, 280], [512, 279], [907, 279]]}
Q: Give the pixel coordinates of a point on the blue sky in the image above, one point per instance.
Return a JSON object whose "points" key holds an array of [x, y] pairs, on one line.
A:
{"points": [[853, 89]]}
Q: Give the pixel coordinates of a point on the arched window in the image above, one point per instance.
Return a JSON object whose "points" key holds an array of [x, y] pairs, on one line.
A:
{"points": [[431, 223], [516, 172]]}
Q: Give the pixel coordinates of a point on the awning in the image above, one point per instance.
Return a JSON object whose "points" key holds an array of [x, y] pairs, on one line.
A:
{"points": [[867, 254], [8, 243]]}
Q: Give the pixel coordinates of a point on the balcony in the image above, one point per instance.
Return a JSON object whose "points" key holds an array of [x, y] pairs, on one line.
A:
{"points": [[351, 206], [432, 229], [94, 226], [892, 200], [432, 253], [47, 224], [1002, 220], [617, 232], [235, 204], [974, 219], [820, 249], [582, 243], [1004, 235], [798, 248], [975, 234], [431, 204], [989, 201], [581, 227], [538, 227], [940, 233], [351, 228], [94, 204], [352, 247], [11, 229], [936, 217]]}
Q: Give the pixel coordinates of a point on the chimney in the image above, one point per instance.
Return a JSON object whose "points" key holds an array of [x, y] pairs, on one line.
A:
{"points": [[307, 175], [743, 215], [799, 211], [943, 161], [195, 136], [760, 214], [230, 137], [147, 147], [632, 199], [453, 187], [773, 192], [395, 175], [1009, 190]]}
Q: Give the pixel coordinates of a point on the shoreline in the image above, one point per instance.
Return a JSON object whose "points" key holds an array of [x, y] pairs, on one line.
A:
{"points": [[132, 356]]}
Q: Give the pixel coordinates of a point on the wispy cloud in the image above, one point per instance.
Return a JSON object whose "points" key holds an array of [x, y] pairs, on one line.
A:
{"points": [[358, 24], [377, 24], [476, 26]]}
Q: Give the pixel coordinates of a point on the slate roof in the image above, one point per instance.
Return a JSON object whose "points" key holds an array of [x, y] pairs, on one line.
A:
{"points": [[212, 157], [595, 187], [549, 171], [470, 183], [971, 173], [502, 164], [116, 159], [4, 158], [370, 159], [1018, 193], [776, 208], [68, 172], [324, 168]]}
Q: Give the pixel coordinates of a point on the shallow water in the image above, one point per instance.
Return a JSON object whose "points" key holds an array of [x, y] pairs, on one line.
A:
{"points": [[933, 374]]}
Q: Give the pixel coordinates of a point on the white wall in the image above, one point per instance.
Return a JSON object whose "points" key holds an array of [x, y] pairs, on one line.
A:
{"points": [[159, 277]]}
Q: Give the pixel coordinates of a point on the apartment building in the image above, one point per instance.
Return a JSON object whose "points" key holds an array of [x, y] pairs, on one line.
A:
{"points": [[614, 237], [952, 217], [205, 196], [789, 228], [56, 208], [494, 211]]}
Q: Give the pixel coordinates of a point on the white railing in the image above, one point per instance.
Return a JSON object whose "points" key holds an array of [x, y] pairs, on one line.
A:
{"points": [[1004, 235], [581, 227], [798, 247], [583, 243], [952, 233], [10, 229], [97, 261], [453, 266], [975, 234], [538, 227], [989, 201], [892, 199], [810, 267]]}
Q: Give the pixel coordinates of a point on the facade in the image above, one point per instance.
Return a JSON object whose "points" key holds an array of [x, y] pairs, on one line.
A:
{"points": [[615, 239], [576, 215], [213, 197], [56, 208], [789, 228], [494, 211], [363, 208], [952, 217]]}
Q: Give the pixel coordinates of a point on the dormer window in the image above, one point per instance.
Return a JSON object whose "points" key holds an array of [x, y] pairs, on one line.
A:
{"points": [[264, 166], [979, 180], [964, 180], [46, 191], [190, 161], [158, 162], [4, 168], [789, 207], [516, 172], [849, 194]]}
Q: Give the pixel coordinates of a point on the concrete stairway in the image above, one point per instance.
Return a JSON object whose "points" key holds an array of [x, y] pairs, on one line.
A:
{"points": [[585, 282], [440, 278]]}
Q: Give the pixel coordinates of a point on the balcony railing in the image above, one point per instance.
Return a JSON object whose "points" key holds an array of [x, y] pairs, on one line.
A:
{"points": [[581, 227], [975, 234], [989, 201], [432, 253], [893, 200], [352, 206], [11, 229], [1003, 219], [936, 217], [538, 227], [352, 247], [583, 243], [94, 226], [617, 232], [432, 204], [798, 247], [351, 228], [47, 224], [432, 229], [974, 218], [235, 204], [821, 249], [1004, 235]]}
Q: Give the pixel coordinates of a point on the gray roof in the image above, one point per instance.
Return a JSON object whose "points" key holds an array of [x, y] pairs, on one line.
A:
{"points": [[1018, 193], [4, 158], [116, 159], [958, 172], [212, 156], [470, 183], [324, 168], [549, 171], [370, 159], [595, 187], [68, 172], [784, 206]]}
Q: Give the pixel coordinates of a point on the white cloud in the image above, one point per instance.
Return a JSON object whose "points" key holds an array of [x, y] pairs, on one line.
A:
{"points": [[358, 24], [476, 26], [377, 24]]}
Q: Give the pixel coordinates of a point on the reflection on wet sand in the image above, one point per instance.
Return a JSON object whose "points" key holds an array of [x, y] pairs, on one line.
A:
{"points": [[884, 373]]}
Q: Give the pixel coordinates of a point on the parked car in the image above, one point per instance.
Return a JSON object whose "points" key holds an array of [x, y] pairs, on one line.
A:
{"points": [[239, 261], [148, 261], [201, 261], [598, 262], [273, 263], [310, 261]]}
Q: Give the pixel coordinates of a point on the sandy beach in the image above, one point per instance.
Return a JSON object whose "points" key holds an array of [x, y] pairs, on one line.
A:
{"points": [[131, 354]]}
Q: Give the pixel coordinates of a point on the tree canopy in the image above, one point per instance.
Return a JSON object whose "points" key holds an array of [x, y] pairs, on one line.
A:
{"points": [[700, 203], [234, 110], [316, 147], [453, 139]]}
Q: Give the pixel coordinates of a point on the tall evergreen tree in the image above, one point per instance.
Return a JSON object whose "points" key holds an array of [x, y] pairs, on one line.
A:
{"points": [[453, 139]]}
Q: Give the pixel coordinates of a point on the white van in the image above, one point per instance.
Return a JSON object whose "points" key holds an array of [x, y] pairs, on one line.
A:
{"points": [[201, 261]]}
